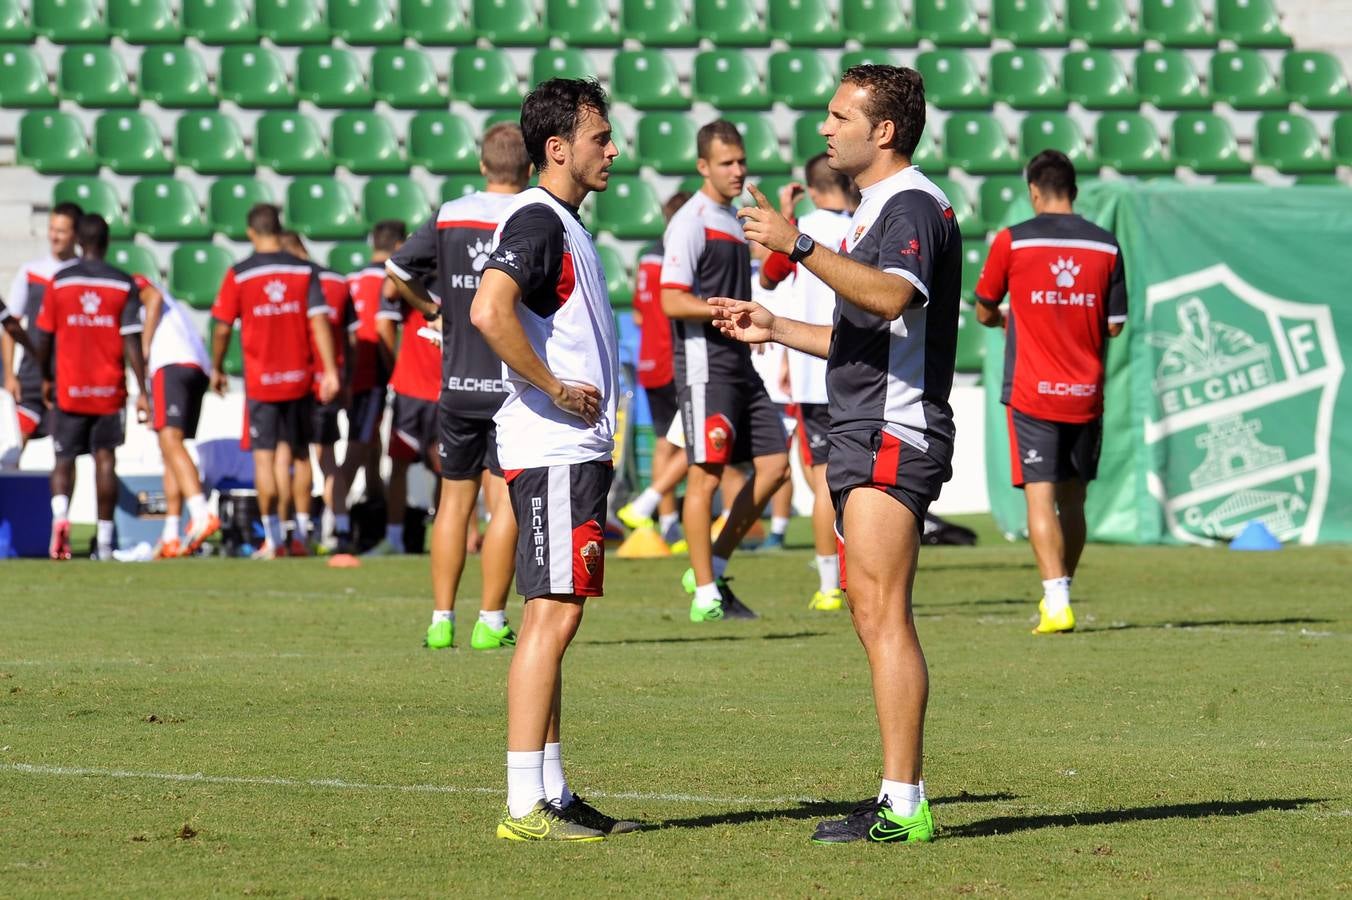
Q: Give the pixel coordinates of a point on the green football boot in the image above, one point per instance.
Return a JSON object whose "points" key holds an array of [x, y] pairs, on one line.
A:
{"points": [[873, 820], [544, 823], [486, 637], [440, 635]]}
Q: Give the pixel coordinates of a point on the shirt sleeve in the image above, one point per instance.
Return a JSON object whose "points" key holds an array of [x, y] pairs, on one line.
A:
{"points": [[315, 304], [4, 311], [417, 258], [131, 312], [912, 234], [994, 281], [226, 307], [391, 308], [530, 249], [18, 293], [1117, 291], [683, 244]]}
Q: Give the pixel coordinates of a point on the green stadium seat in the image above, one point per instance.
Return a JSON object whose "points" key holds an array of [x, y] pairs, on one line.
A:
{"points": [[1342, 139], [69, 21], [485, 79], [878, 23], [1102, 23], [1055, 131], [332, 78], [436, 23], [129, 143], [728, 79], [873, 56], [136, 259], [195, 275], [292, 23], [1316, 80], [567, 63], [144, 21], [365, 144], [666, 141], [1290, 143], [509, 23], [443, 143], [346, 257], [950, 23], [1025, 79], [619, 285], [658, 23], [229, 201], [1205, 143], [364, 23], [801, 79], [805, 23], [290, 143], [233, 363], [1129, 143], [928, 155], [582, 23], [220, 22], [14, 25], [627, 163], [807, 138], [405, 78], [731, 23], [458, 186], [1244, 80], [211, 143], [1028, 23], [996, 195], [973, 258], [511, 116], [1168, 79], [976, 143], [952, 80], [763, 156], [647, 79], [1251, 23], [54, 143], [395, 197], [958, 198], [629, 209], [23, 79], [94, 195], [254, 78], [323, 209], [1177, 23], [167, 210], [175, 78], [1096, 79], [970, 354], [94, 77]]}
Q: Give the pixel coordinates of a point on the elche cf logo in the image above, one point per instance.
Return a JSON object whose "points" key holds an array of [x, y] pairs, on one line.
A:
{"points": [[590, 554]]}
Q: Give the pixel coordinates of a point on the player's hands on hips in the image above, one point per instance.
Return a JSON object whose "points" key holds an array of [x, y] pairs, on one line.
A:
{"points": [[12, 385], [142, 409], [765, 226], [579, 399], [219, 382], [743, 320], [328, 387]]}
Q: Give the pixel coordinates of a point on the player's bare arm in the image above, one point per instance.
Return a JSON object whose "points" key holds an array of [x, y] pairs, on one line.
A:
{"points": [[494, 314], [988, 313], [751, 323], [414, 293], [679, 304], [323, 338], [220, 340], [153, 302], [7, 340], [136, 361]]}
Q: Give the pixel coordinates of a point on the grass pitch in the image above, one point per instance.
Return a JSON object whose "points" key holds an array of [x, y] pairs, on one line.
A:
{"points": [[236, 728]]}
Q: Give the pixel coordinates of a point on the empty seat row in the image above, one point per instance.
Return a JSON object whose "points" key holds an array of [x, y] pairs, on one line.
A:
{"points": [[670, 23]]}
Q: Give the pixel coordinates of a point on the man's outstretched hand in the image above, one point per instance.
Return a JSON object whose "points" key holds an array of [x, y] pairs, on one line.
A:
{"points": [[743, 320]]}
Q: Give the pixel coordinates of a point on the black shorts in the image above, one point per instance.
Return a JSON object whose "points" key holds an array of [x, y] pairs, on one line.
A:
{"points": [[75, 434], [324, 424], [880, 460], [662, 402], [814, 432], [467, 445], [730, 422], [176, 394], [1042, 450], [287, 422], [560, 516], [364, 414], [35, 419], [413, 432]]}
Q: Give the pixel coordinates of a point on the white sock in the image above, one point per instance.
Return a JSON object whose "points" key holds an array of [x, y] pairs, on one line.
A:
{"points": [[395, 535], [197, 507], [720, 566], [525, 781], [171, 525], [779, 525], [921, 785], [668, 521], [1057, 592], [496, 619], [443, 615], [903, 798], [60, 508], [646, 503], [828, 571], [556, 786], [326, 523], [272, 530], [707, 593], [105, 538], [342, 524], [303, 526]]}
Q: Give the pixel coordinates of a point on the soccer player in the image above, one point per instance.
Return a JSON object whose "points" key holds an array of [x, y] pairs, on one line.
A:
{"points": [[93, 314], [454, 245], [26, 293], [278, 300], [1067, 295], [889, 369], [542, 306], [179, 376], [835, 198], [727, 414]]}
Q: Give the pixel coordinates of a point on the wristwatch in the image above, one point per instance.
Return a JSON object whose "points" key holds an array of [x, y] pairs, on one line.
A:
{"points": [[802, 248]]}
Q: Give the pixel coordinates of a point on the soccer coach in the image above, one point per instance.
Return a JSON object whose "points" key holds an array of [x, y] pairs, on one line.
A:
{"points": [[890, 358]]}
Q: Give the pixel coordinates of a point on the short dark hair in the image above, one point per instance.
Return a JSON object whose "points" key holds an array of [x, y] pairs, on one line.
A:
{"points": [[388, 234], [896, 94], [70, 210], [292, 238], [675, 202], [1053, 173], [717, 130], [91, 233], [821, 177], [265, 219], [504, 155], [555, 108]]}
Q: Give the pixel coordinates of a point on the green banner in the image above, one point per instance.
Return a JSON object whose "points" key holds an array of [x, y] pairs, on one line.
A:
{"points": [[1225, 393]]}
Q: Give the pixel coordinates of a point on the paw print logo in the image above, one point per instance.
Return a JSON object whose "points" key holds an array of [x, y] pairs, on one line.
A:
{"points": [[1065, 271], [478, 252], [275, 291], [89, 302]]}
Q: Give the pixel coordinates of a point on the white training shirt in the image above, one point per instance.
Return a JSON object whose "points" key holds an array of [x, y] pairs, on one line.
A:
{"points": [[814, 302], [176, 341]]}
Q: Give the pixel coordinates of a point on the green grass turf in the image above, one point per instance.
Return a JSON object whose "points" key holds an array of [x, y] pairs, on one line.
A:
{"points": [[1195, 738]]}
